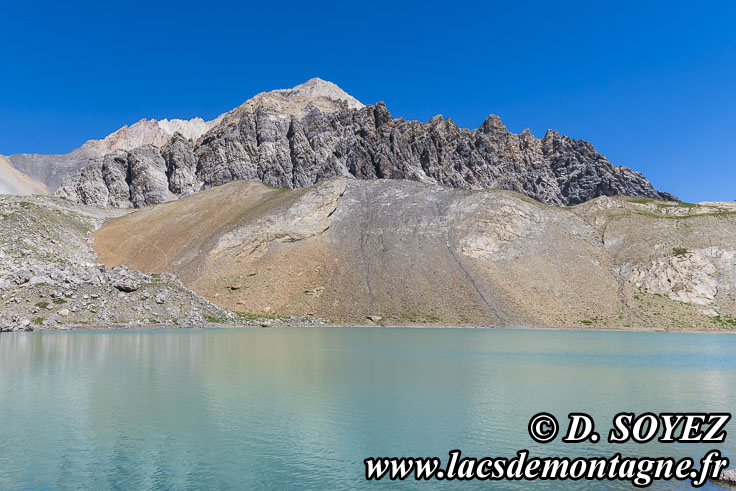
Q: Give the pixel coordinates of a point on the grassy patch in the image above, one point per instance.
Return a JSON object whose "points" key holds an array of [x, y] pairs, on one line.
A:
{"points": [[38, 321], [641, 201], [653, 214], [249, 317], [58, 301], [591, 321], [686, 205], [87, 228], [726, 319], [42, 305], [679, 251], [275, 188], [418, 318]]}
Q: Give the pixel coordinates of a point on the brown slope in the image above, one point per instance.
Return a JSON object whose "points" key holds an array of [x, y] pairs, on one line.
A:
{"points": [[346, 249], [413, 253]]}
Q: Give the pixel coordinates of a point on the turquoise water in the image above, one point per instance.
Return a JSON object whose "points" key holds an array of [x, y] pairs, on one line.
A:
{"points": [[302, 408]]}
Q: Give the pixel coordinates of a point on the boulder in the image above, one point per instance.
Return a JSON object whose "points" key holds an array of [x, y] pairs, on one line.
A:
{"points": [[126, 285]]}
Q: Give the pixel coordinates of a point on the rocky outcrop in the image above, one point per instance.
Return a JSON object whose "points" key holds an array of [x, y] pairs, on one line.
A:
{"points": [[297, 137], [316, 87], [148, 180], [181, 166], [687, 276], [128, 179], [147, 132], [52, 169], [307, 217]]}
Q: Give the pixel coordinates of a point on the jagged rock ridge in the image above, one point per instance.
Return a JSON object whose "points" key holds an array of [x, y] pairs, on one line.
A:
{"points": [[297, 137], [52, 169]]}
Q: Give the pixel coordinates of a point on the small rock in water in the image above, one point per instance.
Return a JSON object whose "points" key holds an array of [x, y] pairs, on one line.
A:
{"points": [[728, 477]]}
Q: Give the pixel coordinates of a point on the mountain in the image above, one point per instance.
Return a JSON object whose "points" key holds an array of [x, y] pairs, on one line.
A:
{"points": [[409, 252], [13, 181], [318, 88], [52, 169], [297, 137]]}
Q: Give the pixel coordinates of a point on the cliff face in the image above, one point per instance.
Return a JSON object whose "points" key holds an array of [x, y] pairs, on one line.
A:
{"points": [[298, 137]]}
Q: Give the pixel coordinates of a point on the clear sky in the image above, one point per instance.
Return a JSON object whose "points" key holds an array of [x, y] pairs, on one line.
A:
{"points": [[651, 84]]}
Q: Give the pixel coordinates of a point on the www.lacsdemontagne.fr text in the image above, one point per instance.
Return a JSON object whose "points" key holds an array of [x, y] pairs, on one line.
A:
{"points": [[641, 472], [544, 428]]}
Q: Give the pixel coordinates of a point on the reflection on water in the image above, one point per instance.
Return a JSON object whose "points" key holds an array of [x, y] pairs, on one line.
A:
{"points": [[303, 407]]}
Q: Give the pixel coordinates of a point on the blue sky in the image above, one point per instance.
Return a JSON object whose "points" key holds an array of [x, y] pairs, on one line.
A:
{"points": [[651, 86]]}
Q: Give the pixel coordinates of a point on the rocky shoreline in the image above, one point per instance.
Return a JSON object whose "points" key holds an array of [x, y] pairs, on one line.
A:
{"points": [[243, 324], [291, 323]]}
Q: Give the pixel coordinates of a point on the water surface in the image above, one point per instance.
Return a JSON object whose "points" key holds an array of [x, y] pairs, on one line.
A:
{"points": [[302, 408]]}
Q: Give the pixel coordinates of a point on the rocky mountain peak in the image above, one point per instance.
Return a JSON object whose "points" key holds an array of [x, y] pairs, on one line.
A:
{"points": [[492, 123], [316, 87], [146, 132]]}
